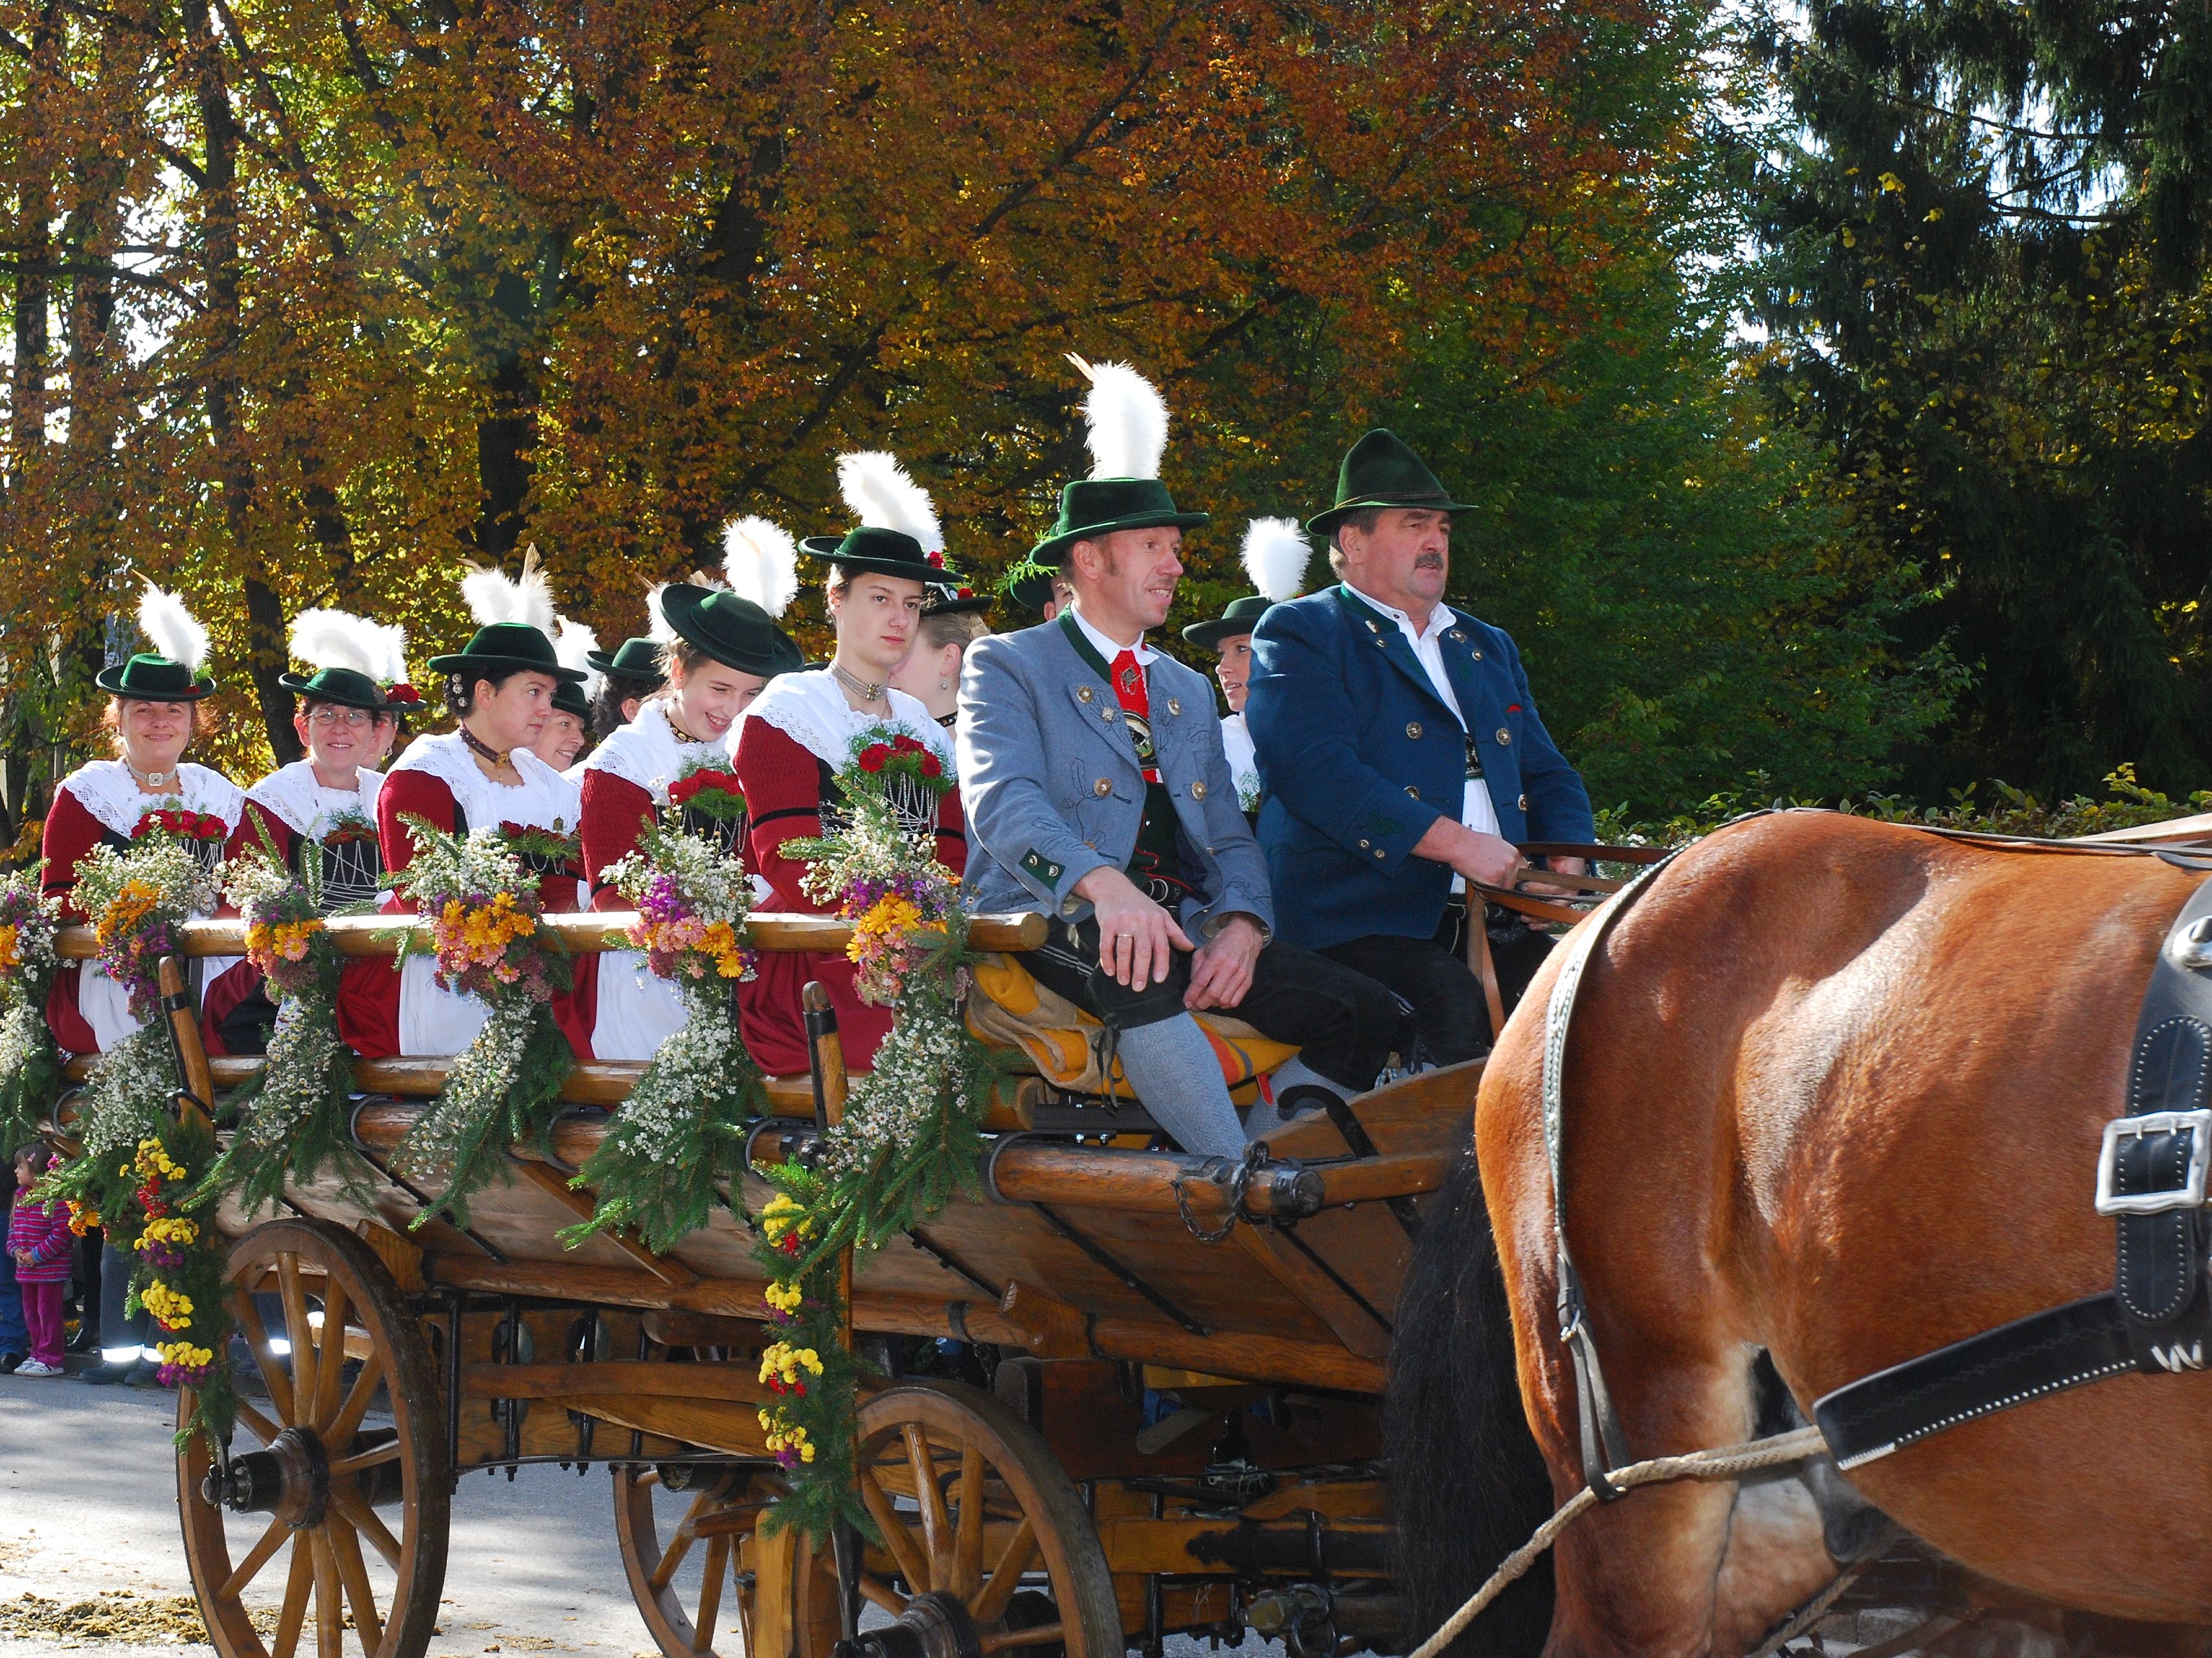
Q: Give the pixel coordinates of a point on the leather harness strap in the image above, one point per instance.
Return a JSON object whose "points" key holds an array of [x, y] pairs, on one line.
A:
{"points": [[2151, 1176]]}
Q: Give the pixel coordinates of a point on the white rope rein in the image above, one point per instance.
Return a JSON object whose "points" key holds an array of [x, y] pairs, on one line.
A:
{"points": [[1723, 1462]]}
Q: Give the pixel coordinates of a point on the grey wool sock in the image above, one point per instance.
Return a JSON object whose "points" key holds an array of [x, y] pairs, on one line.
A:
{"points": [[1171, 1068], [1295, 1072]]}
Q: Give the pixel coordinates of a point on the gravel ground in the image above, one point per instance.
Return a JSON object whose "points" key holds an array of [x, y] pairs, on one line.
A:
{"points": [[88, 1526]]}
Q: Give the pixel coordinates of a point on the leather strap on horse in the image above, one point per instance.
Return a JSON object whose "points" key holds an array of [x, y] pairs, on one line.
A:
{"points": [[2151, 1177], [1604, 1446]]}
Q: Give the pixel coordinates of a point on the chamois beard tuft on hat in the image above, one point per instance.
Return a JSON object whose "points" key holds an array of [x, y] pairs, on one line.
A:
{"points": [[1276, 554], [494, 597], [572, 645], [338, 639], [171, 629], [1128, 418], [762, 560], [882, 495]]}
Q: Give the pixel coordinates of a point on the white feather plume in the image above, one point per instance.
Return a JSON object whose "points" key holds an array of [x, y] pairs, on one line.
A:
{"points": [[1276, 553], [1128, 420], [656, 625], [171, 629], [762, 559], [391, 652], [882, 495], [493, 596], [572, 645], [338, 639]]}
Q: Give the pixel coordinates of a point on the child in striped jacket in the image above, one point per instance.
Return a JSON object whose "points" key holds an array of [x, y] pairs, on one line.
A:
{"points": [[38, 1242]]}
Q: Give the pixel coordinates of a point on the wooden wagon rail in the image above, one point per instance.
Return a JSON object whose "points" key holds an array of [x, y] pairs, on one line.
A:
{"points": [[585, 934]]}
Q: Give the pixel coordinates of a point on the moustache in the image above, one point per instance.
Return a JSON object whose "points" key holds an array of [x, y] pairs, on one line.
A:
{"points": [[1429, 562]]}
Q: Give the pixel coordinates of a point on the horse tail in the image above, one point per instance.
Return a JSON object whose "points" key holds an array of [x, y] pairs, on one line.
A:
{"points": [[1467, 1485]]}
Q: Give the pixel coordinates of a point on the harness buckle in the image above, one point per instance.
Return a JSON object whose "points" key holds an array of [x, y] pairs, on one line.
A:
{"points": [[2189, 1194]]}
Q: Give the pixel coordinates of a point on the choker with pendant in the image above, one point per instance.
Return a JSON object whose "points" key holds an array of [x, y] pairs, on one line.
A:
{"points": [[482, 749], [152, 780], [858, 686]]}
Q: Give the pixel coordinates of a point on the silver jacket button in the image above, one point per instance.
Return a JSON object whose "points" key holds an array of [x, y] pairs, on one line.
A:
{"points": [[1198, 791], [1174, 707], [1413, 729], [1102, 787], [1504, 737], [1083, 693]]}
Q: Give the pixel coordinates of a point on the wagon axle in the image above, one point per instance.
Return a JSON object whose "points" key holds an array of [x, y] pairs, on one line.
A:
{"points": [[932, 1626], [290, 1476]]}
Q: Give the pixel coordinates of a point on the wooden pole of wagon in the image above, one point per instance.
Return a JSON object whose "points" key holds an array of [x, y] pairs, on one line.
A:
{"points": [[825, 1053]]}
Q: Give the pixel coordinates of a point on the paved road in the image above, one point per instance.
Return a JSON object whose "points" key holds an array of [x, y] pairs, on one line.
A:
{"points": [[88, 1513]]}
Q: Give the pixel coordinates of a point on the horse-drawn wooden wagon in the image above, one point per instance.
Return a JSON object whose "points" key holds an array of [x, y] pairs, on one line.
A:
{"points": [[1127, 1393]]}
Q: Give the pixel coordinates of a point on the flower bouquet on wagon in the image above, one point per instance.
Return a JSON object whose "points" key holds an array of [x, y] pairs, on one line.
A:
{"points": [[482, 910], [30, 1062]]}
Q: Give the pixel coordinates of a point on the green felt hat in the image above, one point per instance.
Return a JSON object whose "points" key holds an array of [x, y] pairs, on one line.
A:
{"points": [[1090, 507], [1240, 618], [1380, 470], [149, 678], [950, 599], [881, 552], [735, 632], [347, 687], [1029, 587], [507, 645], [635, 659], [569, 697]]}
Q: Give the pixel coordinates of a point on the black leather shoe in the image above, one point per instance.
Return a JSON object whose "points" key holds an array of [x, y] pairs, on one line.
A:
{"points": [[1302, 1102], [8, 1362], [144, 1373], [104, 1374]]}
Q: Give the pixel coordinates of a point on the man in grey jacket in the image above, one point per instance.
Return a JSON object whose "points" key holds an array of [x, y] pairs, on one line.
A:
{"points": [[1097, 791]]}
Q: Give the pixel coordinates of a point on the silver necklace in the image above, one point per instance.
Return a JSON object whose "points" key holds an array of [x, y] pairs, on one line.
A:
{"points": [[859, 687], [152, 780]]}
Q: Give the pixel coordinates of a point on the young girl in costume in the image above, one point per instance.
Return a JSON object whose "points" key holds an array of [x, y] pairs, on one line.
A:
{"points": [[800, 733], [718, 649]]}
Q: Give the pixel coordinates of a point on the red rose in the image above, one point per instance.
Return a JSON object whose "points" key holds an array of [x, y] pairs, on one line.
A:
{"points": [[873, 757], [930, 768], [405, 693], [684, 788]]}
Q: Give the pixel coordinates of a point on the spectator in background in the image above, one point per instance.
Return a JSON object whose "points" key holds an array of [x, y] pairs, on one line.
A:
{"points": [[15, 1339], [39, 1244]]}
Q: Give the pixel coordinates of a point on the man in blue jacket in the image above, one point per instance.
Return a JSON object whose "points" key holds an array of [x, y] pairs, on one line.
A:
{"points": [[1402, 756]]}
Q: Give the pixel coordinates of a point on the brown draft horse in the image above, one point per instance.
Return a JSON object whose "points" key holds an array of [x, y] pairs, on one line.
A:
{"points": [[1834, 1093]]}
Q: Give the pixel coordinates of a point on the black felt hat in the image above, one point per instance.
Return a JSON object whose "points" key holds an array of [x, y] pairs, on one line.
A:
{"points": [[149, 678], [1240, 618], [637, 659], [879, 552], [949, 598], [735, 632], [1382, 471]]}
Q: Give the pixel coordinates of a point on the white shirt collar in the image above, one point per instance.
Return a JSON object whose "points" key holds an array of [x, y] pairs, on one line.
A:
{"points": [[1403, 618], [1106, 647]]}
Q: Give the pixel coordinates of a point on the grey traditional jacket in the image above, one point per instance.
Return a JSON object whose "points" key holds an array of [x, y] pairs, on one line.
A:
{"points": [[1052, 789]]}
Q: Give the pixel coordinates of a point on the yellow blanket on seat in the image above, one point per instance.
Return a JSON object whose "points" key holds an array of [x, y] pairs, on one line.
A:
{"points": [[1062, 1040]]}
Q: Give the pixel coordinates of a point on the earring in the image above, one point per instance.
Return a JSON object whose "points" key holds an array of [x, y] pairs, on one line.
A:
{"points": [[944, 684]]}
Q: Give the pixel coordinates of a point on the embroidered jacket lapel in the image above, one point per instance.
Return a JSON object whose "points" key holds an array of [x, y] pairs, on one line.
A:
{"points": [[1370, 623], [1090, 691]]}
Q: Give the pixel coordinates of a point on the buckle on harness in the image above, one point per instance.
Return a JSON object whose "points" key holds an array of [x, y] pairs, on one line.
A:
{"points": [[2189, 1194]]}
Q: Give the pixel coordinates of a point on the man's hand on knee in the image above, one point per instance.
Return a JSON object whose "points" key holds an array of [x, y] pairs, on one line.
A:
{"points": [[1221, 972], [1136, 938]]}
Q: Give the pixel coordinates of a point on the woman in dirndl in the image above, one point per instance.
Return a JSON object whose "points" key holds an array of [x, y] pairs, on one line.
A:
{"points": [[800, 733]]}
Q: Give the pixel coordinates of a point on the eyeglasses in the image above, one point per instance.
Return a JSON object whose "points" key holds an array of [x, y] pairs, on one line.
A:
{"points": [[351, 719]]}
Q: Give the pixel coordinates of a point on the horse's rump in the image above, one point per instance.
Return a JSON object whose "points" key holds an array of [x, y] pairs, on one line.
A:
{"points": [[1835, 1091]]}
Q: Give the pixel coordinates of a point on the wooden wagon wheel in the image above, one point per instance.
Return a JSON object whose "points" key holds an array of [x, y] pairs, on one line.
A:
{"points": [[318, 1477], [975, 1510], [690, 1546]]}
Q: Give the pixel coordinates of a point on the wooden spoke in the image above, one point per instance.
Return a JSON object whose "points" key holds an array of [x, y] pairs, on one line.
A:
{"points": [[297, 1332], [678, 1545], [256, 1558], [882, 1594], [330, 1356], [294, 1611], [347, 1422], [990, 1604], [710, 1594], [265, 1359], [366, 1520], [1023, 1638], [967, 1544], [728, 1523], [936, 1527], [345, 1545], [896, 1538], [256, 1424], [345, 1467], [330, 1598]]}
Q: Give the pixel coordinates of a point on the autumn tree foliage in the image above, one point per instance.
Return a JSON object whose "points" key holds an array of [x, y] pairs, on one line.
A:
{"points": [[311, 301]]}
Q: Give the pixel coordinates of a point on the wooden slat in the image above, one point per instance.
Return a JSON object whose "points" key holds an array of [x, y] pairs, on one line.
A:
{"points": [[584, 934]]}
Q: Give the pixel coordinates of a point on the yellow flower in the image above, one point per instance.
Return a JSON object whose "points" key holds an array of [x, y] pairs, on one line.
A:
{"points": [[170, 1309], [785, 1298], [7, 949], [184, 1354]]}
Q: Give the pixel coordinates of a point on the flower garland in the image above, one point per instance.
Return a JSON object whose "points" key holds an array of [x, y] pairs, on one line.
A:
{"points": [[180, 1278], [136, 899], [680, 1135], [503, 1088], [30, 1062], [293, 1117], [911, 1136]]}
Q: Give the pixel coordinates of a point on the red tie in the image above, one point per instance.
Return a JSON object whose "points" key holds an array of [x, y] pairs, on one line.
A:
{"points": [[1137, 703]]}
